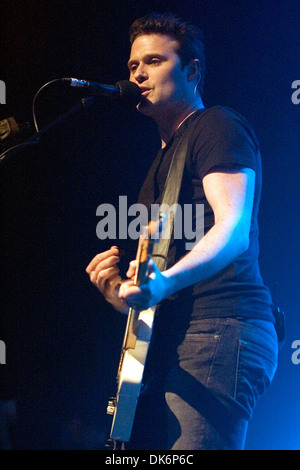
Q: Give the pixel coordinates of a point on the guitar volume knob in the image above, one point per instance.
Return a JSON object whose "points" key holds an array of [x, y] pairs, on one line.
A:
{"points": [[111, 406]]}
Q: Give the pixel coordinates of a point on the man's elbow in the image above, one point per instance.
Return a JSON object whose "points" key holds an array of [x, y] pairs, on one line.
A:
{"points": [[243, 241], [245, 244]]}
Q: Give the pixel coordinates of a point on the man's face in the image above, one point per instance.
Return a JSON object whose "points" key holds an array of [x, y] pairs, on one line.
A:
{"points": [[155, 67]]}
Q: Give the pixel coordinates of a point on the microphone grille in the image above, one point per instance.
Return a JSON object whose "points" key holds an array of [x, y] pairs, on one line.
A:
{"points": [[129, 92]]}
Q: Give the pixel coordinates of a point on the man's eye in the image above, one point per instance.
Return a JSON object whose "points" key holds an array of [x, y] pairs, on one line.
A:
{"points": [[155, 61]]}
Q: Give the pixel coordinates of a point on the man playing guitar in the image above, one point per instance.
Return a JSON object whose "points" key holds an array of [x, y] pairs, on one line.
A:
{"points": [[215, 346]]}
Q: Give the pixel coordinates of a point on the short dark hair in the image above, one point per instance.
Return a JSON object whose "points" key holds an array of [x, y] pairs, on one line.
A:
{"points": [[188, 36]]}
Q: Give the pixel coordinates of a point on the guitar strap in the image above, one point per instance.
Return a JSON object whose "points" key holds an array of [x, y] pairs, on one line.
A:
{"points": [[170, 198], [171, 192]]}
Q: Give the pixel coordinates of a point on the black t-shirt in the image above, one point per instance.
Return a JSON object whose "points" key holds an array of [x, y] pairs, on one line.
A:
{"points": [[219, 138]]}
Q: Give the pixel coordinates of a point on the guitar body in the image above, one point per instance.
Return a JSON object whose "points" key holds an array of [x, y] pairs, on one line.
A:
{"points": [[135, 347], [130, 378]]}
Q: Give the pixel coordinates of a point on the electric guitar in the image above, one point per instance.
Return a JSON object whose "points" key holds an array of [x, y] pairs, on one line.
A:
{"points": [[135, 345]]}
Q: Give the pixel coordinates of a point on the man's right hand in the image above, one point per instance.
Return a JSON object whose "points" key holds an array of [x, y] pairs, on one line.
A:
{"points": [[104, 274]]}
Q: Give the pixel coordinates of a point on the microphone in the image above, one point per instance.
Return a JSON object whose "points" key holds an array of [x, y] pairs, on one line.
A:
{"points": [[124, 90]]}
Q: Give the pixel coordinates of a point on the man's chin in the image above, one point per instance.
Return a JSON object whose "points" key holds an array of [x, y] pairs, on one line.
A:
{"points": [[146, 108], [143, 105]]}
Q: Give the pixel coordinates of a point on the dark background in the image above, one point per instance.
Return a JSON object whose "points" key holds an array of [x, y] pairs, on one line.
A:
{"points": [[62, 340]]}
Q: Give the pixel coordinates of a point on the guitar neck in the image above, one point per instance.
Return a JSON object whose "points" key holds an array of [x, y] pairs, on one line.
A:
{"points": [[143, 256]]}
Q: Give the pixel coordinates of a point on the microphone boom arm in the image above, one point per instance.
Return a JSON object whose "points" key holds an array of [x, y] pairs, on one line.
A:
{"points": [[128, 91], [85, 102]]}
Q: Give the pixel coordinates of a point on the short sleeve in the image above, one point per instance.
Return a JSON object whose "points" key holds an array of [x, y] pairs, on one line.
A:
{"points": [[223, 139]]}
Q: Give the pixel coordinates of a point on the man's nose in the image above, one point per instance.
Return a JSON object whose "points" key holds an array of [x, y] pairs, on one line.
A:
{"points": [[140, 75]]}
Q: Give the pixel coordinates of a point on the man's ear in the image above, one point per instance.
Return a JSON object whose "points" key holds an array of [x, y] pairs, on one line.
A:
{"points": [[194, 70]]}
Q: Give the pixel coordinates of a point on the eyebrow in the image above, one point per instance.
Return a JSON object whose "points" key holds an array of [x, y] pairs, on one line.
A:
{"points": [[145, 58]]}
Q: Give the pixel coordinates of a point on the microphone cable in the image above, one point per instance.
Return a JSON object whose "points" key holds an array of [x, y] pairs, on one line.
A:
{"points": [[35, 98]]}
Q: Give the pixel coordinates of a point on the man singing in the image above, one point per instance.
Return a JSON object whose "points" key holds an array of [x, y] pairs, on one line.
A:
{"points": [[214, 348]]}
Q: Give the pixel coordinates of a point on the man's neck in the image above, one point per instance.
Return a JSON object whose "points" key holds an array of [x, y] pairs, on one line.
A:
{"points": [[169, 123]]}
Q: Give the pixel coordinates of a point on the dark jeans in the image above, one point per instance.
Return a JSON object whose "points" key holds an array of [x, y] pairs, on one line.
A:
{"points": [[222, 367]]}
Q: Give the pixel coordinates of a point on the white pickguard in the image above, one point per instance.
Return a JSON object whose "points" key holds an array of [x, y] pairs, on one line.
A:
{"points": [[130, 379]]}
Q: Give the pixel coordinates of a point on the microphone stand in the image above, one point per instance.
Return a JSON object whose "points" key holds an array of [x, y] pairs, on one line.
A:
{"points": [[84, 103]]}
